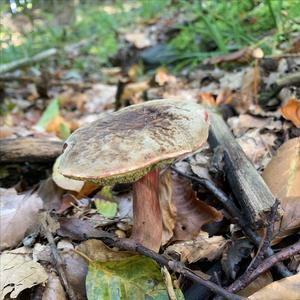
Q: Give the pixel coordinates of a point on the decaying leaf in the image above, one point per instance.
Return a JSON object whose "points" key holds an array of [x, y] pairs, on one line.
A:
{"points": [[232, 256], [79, 230], [249, 88], [191, 213], [54, 289], [201, 247], [282, 175], [76, 270], [162, 77], [19, 272], [98, 251], [287, 288], [290, 110], [134, 91], [19, 213], [135, 278]]}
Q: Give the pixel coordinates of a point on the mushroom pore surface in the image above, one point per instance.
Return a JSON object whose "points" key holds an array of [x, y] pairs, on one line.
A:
{"points": [[125, 145]]}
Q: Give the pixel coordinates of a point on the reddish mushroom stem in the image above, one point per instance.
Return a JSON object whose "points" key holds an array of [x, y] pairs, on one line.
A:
{"points": [[147, 219]]}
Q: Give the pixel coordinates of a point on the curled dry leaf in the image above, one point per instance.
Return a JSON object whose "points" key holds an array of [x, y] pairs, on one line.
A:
{"points": [[201, 247], [290, 110], [287, 288], [134, 91], [191, 213], [282, 175], [19, 272], [249, 88], [162, 77], [97, 250], [19, 213]]}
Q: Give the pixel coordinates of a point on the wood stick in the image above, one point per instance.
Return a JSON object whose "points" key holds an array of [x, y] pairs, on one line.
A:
{"points": [[237, 217], [28, 60], [264, 266], [29, 149], [59, 263], [247, 185]]}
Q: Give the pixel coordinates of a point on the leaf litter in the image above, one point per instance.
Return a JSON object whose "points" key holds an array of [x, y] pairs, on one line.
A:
{"points": [[260, 123]]}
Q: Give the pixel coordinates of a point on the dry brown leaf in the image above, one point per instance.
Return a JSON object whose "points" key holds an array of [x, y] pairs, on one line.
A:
{"points": [[201, 247], [257, 146], [290, 110], [207, 99], [282, 175], [242, 56], [256, 285], [224, 97], [55, 123], [249, 88], [97, 250], [19, 272], [162, 77], [138, 39], [18, 214], [192, 213], [286, 288], [134, 90], [54, 289]]}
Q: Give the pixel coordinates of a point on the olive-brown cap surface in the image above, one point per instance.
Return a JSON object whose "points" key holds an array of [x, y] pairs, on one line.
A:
{"points": [[123, 146]]}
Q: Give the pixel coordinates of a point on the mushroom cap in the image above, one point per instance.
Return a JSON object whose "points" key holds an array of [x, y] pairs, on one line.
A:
{"points": [[125, 145]]}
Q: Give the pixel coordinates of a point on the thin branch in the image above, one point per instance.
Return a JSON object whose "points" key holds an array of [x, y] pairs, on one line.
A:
{"points": [[264, 266], [236, 215], [175, 266], [59, 263]]}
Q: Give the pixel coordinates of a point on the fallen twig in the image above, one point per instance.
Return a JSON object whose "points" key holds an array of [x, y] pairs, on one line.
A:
{"points": [[29, 149], [59, 263], [131, 245], [236, 215], [254, 196], [285, 253]]}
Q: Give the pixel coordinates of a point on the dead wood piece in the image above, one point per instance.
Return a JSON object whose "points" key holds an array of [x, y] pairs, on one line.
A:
{"points": [[28, 60], [45, 221], [29, 150], [243, 281], [290, 79], [246, 183]]}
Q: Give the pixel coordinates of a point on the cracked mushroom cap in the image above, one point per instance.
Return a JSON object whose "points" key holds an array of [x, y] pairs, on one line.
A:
{"points": [[125, 145]]}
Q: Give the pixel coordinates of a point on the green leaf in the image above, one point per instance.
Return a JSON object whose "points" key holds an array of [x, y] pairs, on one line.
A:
{"points": [[49, 114], [132, 278], [106, 208], [64, 131]]}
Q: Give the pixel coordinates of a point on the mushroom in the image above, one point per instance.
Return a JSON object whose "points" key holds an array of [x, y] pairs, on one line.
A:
{"points": [[131, 145]]}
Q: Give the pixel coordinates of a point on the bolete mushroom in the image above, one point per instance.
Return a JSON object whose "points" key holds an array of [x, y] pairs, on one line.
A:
{"points": [[130, 145]]}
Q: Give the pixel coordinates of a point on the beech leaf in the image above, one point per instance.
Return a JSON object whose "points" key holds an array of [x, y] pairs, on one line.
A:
{"points": [[282, 175]]}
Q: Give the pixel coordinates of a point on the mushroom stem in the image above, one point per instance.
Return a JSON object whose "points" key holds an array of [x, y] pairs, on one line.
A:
{"points": [[147, 219]]}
